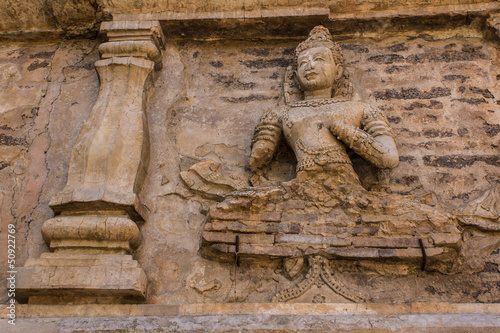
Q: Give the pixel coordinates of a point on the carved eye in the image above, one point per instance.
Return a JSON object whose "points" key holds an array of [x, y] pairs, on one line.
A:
{"points": [[319, 59]]}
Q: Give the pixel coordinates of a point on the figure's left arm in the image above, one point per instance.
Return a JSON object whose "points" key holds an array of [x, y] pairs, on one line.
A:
{"points": [[374, 140]]}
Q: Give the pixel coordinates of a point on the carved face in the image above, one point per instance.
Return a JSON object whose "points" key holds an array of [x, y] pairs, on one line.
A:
{"points": [[316, 69]]}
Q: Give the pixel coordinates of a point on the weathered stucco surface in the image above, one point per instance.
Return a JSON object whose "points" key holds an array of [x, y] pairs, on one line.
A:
{"points": [[438, 83], [40, 83]]}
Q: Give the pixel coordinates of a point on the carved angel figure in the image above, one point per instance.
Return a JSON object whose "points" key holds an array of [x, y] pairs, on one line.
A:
{"points": [[322, 121], [320, 126]]}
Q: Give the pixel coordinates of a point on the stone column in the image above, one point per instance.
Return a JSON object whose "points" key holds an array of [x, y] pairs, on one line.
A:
{"points": [[94, 231]]}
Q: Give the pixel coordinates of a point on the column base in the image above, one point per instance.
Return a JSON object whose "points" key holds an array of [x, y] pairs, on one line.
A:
{"points": [[80, 277]]}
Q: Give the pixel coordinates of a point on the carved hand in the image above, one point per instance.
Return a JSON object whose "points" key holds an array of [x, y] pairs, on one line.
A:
{"points": [[336, 126], [380, 151], [344, 132], [262, 153]]}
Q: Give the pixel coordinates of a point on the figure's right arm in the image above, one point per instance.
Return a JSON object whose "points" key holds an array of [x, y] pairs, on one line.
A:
{"points": [[265, 140]]}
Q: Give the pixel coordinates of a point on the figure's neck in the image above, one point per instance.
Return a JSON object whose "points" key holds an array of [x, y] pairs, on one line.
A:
{"points": [[317, 94]]}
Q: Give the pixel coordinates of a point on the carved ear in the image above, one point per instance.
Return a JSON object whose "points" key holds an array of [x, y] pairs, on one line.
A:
{"points": [[344, 87], [339, 72], [291, 89]]}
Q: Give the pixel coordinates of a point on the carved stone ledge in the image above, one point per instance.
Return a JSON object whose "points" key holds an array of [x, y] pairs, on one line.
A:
{"points": [[80, 275], [293, 230]]}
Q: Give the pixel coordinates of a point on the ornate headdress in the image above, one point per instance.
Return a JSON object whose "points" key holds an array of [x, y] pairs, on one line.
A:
{"points": [[320, 36]]}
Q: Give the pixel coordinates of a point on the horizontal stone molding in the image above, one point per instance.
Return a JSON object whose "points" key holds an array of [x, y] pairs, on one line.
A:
{"points": [[338, 10], [312, 239], [135, 30], [242, 227], [141, 49], [63, 274], [407, 238], [125, 61], [211, 309], [338, 13], [264, 251], [91, 231], [90, 246], [174, 16], [291, 21]]}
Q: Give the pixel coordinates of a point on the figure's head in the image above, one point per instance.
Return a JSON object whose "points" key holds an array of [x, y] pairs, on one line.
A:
{"points": [[318, 61]]}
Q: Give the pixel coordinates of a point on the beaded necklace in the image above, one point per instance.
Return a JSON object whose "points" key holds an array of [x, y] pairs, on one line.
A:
{"points": [[310, 103]]}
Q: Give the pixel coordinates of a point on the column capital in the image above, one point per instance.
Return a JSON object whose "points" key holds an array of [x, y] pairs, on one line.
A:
{"points": [[142, 39]]}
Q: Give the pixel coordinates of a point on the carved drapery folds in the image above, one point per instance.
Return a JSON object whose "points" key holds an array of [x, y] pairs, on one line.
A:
{"points": [[95, 229]]}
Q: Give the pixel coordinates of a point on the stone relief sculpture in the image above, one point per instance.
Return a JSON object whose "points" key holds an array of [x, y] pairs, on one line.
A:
{"points": [[320, 126], [325, 214], [319, 121]]}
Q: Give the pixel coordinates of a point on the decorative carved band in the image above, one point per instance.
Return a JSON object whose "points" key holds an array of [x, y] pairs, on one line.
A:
{"points": [[319, 268], [97, 230], [141, 49]]}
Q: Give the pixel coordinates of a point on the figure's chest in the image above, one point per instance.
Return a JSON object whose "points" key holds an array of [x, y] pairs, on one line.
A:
{"points": [[325, 115]]}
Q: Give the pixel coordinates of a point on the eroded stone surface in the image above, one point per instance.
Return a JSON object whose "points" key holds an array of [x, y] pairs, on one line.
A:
{"points": [[50, 74]]}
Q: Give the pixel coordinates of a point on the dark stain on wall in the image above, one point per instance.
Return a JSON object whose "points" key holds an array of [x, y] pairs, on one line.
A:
{"points": [[387, 58], [263, 63], [36, 64], [6, 140], [411, 93], [247, 99], [460, 161]]}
